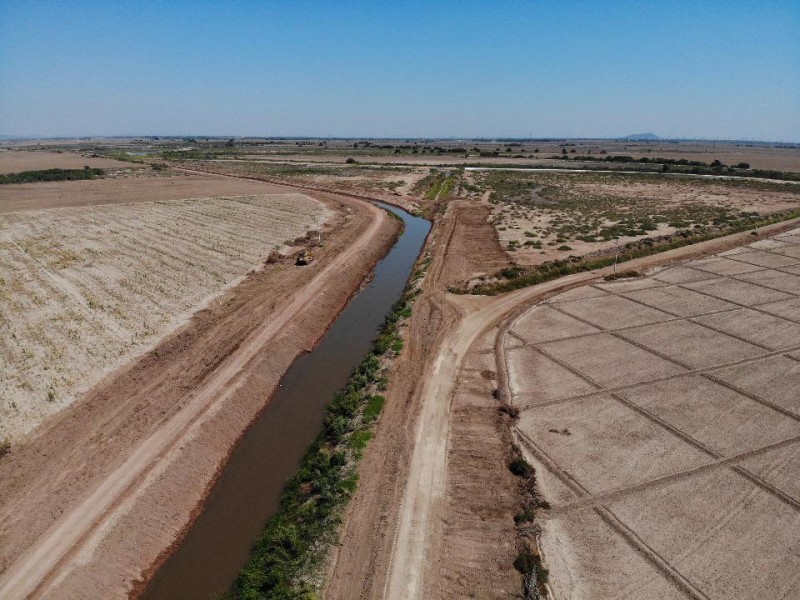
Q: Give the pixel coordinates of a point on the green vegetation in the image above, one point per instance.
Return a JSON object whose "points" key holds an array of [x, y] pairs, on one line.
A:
{"points": [[513, 278], [693, 167], [436, 185], [295, 541], [52, 175]]}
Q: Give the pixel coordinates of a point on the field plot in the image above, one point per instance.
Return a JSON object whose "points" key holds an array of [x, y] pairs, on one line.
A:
{"points": [[83, 289], [545, 216], [663, 417], [15, 162]]}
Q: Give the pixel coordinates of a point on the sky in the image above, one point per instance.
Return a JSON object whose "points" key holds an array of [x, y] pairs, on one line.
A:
{"points": [[686, 69]]}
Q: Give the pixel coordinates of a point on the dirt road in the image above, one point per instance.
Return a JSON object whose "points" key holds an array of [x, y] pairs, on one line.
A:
{"points": [[67, 492], [427, 473]]}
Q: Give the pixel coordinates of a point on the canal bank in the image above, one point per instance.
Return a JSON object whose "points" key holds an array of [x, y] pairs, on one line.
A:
{"points": [[248, 490]]}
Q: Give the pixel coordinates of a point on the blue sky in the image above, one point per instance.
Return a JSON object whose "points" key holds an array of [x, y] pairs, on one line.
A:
{"points": [[708, 69]]}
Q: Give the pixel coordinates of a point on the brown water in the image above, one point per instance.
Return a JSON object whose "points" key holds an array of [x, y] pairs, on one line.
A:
{"points": [[249, 489]]}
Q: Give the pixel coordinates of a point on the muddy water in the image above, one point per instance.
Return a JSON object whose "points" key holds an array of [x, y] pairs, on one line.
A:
{"points": [[247, 493]]}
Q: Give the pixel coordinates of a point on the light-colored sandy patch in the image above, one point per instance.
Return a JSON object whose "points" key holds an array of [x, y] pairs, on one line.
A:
{"points": [[679, 301], [95, 192], [777, 280], [612, 312], [746, 533], [535, 379], [775, 379], [739, 292]]}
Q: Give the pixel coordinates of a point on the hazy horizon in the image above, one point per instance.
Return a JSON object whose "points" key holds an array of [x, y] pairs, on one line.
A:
{"points": [[722, 71]]}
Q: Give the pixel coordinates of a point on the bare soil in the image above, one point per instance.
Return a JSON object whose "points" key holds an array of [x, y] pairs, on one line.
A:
{"points": [[666, 431], [424, 457], [17, 161], [93, 500], [96, 192]]}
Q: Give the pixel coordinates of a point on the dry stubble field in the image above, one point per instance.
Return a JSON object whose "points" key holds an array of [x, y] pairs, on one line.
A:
{"points": [[663, 418], [84, 289]]}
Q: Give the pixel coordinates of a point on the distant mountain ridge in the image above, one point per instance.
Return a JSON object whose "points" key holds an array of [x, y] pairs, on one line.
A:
{"points": [[641, 137]]}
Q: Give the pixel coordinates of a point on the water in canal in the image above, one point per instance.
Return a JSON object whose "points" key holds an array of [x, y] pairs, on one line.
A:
{"points": [[249, 489]]}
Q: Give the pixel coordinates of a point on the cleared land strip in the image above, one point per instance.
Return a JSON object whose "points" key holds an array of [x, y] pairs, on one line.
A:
{"points": [[33, 571], [731, 406]]}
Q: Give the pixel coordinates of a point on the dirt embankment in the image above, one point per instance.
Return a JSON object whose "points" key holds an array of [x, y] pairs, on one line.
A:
{"points": [[95, 497], [462, 243]]}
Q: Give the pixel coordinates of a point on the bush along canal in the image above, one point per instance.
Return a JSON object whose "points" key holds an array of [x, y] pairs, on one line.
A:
{"points": [[276, 508]]}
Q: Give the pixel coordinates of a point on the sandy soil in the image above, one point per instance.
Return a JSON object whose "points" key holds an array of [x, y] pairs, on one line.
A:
{"points": [[92, 501], [14, 162], [86, 289], [417, 552], [658, 415]]}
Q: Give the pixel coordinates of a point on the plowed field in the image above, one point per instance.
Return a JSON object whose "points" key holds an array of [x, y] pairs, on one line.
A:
{"points": [[84, 289]]}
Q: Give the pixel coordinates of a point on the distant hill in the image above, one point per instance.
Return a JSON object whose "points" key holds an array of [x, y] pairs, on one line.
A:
{"points": [[642, 137]]}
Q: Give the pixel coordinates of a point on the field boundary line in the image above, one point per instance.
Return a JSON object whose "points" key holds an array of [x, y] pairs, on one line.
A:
{"points": [[603, 498]]}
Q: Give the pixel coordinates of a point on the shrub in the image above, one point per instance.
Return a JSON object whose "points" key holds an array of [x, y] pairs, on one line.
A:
{"points": [[374, 408], [520, 468], [5, 447], [524, 517]]}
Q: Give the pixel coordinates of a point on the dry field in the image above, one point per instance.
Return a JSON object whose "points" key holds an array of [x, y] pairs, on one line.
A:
{"points": [[781, 158], [547, 216], [397, 184], [663, 418], [52, 194], [15, 161], [86, 288]]}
